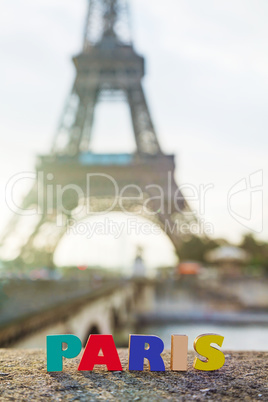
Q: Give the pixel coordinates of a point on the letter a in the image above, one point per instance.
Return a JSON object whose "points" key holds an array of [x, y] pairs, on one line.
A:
{"points": [[91, 356]]}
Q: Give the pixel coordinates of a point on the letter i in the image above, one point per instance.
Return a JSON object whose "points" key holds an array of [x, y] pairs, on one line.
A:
{"points": [[179, 350]]}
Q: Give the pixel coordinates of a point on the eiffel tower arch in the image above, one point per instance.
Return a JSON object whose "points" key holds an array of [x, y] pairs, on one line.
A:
{"points": [[108, 67]]}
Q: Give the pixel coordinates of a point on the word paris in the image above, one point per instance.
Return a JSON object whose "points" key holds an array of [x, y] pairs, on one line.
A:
{"points": [[101, 350]]}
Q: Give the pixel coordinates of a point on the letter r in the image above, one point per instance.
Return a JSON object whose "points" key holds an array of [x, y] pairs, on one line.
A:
{"points": [[138, 352]]}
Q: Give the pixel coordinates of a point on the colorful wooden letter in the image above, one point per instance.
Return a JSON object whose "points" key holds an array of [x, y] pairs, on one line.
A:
{"points": [[179, 350], [138, 352], [55, 353], [214, 358], [91, 356]]}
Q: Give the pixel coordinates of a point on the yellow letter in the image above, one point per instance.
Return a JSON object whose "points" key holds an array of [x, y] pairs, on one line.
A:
{"points": [[214, 358]]}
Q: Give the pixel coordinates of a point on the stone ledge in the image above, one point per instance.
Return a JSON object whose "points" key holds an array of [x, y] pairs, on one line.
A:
{"points": [[23, 377]]}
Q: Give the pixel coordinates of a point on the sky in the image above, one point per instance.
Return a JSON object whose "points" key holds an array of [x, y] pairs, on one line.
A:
{"points": [[207, 88]]}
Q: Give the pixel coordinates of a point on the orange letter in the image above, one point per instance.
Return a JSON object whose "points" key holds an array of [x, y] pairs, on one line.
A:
{"points": [[179, 350]]}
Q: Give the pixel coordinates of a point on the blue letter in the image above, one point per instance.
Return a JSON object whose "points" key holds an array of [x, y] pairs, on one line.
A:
{"points": [[55, 352], [138, 352]]}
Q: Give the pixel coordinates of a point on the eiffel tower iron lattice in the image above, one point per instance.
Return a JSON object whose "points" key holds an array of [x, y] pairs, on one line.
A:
{"points": [[108, 66]]}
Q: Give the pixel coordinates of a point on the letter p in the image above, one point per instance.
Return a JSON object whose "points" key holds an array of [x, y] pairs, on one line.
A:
{"points": [[55, 353]]}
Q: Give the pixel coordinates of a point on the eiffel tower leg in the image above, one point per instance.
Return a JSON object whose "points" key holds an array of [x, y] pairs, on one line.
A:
{"points": [[76, 130], [61, 138], [81, 130], [145, 136], [167, 224], [173, 225], [43, 253], [86, 133], [13, 227], [170, 228], [172, 216], [27, 250]]}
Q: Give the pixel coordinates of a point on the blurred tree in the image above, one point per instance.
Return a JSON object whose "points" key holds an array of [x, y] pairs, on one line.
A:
{"points": [[258, 250], [196, 247], [3, 296]]}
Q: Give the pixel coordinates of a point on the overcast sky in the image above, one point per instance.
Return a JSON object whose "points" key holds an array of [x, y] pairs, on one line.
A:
{"points": [[206, 84]]}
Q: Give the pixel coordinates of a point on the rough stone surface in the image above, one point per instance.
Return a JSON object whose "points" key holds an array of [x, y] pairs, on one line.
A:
{"points": [[23, 377]]}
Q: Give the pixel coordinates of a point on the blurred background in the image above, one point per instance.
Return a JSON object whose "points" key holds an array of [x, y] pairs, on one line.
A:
{"points": [[194, 107]]}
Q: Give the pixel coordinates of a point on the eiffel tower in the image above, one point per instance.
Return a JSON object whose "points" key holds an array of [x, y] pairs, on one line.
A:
{"points": [[107, 68]]}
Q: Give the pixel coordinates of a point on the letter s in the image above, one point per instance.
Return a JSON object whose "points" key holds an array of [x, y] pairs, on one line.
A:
{"points": [[214, 358]]}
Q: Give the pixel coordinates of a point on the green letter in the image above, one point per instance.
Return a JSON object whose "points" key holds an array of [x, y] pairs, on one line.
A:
{"points": [[55, 351]]}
